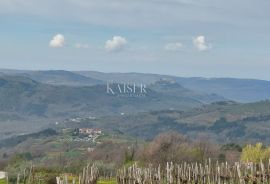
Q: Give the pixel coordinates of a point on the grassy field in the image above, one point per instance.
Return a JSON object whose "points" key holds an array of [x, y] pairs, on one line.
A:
{"points": [[3, 181], [100, 181], [107, 181]]}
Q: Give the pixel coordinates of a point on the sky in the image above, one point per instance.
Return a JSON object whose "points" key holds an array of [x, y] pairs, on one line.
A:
{"points": [[189, 38]]}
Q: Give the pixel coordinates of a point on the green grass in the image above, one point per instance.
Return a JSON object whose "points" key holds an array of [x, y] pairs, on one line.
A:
{"points": [[107, 181], [3, 181]]}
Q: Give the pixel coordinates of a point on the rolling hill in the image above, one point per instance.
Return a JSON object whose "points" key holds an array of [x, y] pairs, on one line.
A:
{"points": [[55, 77], [27, 105], [189, 105], [241, 90], [222, 122], [26, 97], [171, 87]]}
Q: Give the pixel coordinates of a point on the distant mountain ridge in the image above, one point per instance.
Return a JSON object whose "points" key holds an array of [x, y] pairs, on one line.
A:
{"points": [[56, 77], [24, 96], [168, 86], [241, 90], [168, 105]]}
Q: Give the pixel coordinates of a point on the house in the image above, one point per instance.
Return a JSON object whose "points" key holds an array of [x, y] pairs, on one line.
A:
{"points": [[89, 131], [97, 131], [85, 130]]}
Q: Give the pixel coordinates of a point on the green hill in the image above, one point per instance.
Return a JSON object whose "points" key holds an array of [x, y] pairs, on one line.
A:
{"points": [[26, 97], [241, 90], [223, 122]]}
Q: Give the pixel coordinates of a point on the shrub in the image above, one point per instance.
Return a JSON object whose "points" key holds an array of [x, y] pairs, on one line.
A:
{"points": [[255, 153]]}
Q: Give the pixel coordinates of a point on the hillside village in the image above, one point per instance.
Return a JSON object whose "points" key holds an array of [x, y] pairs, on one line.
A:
{"points": [[86, 134]]}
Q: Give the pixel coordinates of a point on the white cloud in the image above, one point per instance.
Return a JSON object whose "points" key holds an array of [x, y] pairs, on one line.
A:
{"points": [[57, 41], [115, 44], [81, 46], [177, 46], [201, 44]]}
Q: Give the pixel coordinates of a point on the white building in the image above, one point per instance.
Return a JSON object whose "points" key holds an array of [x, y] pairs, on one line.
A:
{"points": [[3, 175]]}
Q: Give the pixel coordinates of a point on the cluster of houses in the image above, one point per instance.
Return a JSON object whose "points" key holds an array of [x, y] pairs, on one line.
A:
{"points": [[90, 131], [87, 134]]}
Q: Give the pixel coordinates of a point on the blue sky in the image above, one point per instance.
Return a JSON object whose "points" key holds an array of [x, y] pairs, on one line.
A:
{"points": [[208, 38]]}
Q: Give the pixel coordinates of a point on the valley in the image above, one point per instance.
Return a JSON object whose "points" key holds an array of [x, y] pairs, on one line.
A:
{"points": [[59, 119]]}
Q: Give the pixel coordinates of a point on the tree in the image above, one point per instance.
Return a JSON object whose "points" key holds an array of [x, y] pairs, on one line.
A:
{"points": [[169, 147], [255, 153], [205, 149]]}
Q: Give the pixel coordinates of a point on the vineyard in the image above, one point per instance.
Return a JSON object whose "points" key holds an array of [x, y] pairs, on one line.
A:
{"points": [[171, 173], [168, 159], [89, 175], [194, 173]]}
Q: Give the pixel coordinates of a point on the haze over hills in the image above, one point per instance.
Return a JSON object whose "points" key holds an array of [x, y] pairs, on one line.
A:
{"points": [[27, 97], [241, 90], [62, 77], [173, 88], [25, 102], [55, 77], [40, 98]]}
